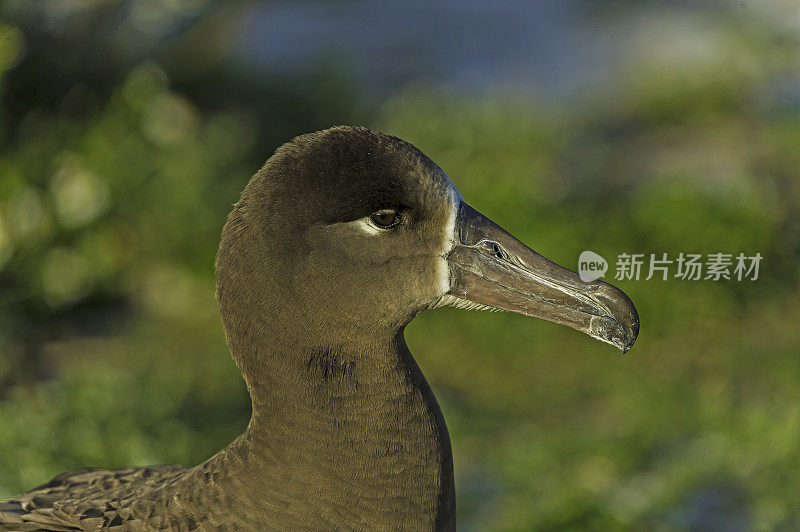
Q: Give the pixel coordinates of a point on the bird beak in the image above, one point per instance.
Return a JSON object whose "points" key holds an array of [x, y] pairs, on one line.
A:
{"points": [[491, 268]]}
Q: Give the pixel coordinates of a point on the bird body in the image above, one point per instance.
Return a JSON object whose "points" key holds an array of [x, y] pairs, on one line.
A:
{"points": [[334, 246], [282, 474]]}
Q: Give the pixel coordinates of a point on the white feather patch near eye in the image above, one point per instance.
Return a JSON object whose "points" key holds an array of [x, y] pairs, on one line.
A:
{"points": [[449, 300], [450, 236], [366, 225]]}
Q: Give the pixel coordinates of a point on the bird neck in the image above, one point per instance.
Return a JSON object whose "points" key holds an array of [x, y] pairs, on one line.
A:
{"points": [[338, 427]]}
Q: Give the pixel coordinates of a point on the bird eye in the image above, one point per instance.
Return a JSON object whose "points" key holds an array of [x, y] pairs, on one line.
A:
{"points": [[385, 219]]}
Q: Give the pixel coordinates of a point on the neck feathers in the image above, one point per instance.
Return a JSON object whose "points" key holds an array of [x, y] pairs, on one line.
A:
{"points": [[344, 433]]}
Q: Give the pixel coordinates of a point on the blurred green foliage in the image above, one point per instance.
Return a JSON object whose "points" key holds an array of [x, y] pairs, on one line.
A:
{"points": [[113, 194]]}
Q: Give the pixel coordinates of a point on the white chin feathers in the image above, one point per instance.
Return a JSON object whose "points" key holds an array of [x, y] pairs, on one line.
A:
{"points": [[449, 300]]}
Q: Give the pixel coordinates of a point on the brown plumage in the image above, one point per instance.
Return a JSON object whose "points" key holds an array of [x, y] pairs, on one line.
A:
{"points": [[335, 245]]}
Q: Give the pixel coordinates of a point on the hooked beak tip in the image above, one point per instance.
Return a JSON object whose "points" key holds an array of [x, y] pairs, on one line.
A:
{"points": [[627, 347], [633, 334], [612, 331], [620, 327], [623, 335]]}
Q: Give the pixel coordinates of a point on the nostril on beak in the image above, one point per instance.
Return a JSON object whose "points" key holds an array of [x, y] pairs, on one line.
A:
{"points": [[492, 248]]}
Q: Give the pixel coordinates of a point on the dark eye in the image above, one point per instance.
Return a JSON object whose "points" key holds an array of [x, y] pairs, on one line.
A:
{"points": [[385, 219]]}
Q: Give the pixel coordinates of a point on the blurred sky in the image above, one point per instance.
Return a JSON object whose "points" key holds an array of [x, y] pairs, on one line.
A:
{"points": [[553, 48]]}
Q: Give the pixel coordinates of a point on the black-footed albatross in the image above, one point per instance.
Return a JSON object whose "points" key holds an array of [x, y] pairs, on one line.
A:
{"points": [[336, 243]]}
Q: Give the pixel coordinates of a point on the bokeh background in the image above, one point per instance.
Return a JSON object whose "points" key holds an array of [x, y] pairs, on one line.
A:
{"points": [[129, 127]]}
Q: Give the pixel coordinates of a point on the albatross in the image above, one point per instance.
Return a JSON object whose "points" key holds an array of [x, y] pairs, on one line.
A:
{"points": [[336, 243]]}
